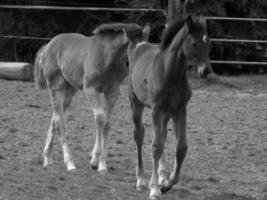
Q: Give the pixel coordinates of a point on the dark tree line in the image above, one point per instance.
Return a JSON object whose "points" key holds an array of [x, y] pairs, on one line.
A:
{"points": [[48, 23]]}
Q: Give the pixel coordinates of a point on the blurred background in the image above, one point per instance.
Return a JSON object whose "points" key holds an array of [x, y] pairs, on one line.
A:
{"points": [[36, 26]]}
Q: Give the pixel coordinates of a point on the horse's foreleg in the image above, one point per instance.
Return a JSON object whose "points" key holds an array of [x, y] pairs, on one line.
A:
{"points": [[162, 171], [160, 121], [179, 122], [138, 132], [96, 102]]}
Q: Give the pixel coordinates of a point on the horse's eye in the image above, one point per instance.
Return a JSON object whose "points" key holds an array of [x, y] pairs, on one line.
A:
{"points": [[194, 44]]}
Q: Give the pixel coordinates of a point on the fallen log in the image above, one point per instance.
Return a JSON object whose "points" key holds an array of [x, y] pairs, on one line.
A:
{"points": [[16, 71]]}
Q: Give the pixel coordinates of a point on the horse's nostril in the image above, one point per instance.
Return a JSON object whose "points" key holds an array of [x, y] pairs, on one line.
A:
{"points": [[205, 72]]}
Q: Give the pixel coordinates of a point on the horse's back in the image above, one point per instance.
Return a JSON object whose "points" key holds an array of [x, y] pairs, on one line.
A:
{"points": [[141, 64]]}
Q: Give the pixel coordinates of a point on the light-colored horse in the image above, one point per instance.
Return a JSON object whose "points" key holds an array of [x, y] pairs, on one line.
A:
{"points": [[96, 65], [158, 79]]}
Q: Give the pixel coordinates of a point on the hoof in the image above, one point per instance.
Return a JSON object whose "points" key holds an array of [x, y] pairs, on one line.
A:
{"points": [[163, 182], [163, 178], [47, 162], [71, 168], [141, 184], [102, 168], [103, 172], [154, 194], [94, 167], [154, 198], [140, 188], [46, 165], [165, 189]]}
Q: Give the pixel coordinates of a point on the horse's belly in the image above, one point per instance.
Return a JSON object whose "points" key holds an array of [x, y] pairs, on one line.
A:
{"points": [[139, 83]]}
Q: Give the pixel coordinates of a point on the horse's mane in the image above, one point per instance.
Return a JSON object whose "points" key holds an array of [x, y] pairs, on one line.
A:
{"points": [[107, 28], [133, 30], [171, 31]]}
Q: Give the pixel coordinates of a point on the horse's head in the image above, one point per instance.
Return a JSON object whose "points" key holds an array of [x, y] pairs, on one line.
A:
{"points": [[196, 46], [134, 32]]}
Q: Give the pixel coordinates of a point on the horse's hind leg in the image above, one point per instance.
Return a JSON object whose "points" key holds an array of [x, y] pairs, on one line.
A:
{"points": [[110, 101], [138, 132], [61, 96], [102, 105], [179, 122], [47, 153]]}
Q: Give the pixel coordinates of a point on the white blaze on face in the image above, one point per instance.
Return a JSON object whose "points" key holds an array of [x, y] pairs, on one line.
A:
{"points": [[205, 38]]}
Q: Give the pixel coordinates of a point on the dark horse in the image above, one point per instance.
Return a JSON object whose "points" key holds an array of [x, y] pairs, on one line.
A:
{"points": [[96, 65], [158, 79]]}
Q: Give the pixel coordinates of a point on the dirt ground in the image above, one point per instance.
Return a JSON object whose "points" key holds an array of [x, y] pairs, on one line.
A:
{"points": [[227, 138]]}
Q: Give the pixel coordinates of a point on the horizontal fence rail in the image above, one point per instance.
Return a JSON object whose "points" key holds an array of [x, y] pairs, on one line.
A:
{"points": [[237, 40], [233, 62], [237, 19], [212, 39], [79, 8], [24, 37]]}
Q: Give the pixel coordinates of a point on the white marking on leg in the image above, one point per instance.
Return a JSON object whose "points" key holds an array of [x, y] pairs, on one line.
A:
{"points": [[98, 159], [102, 162], [63, 140], [109, 101], [68, 158], [101, 123], [96, 152], [153, 184], [154, 193], [162, 171], [47, 153], [141, 183]]}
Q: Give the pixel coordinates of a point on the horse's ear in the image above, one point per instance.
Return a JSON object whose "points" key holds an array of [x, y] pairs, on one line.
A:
{"points": [[134, 31], [189, 23], [146, 32], [125, 35]]}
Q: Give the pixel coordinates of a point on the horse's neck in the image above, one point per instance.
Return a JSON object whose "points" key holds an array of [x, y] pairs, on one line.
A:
{"points": [[175, 72], [115, 51], [174, 62]]}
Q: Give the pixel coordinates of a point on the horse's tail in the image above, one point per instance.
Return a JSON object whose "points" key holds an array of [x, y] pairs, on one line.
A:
{"points": [[39, 77]]}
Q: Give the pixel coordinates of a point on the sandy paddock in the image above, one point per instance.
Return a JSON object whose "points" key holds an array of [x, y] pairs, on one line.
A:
{"points": [[227, 138]]}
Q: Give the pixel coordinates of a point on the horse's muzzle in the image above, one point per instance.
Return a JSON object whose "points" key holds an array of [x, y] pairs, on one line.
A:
{"points": [[204, 71]]}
